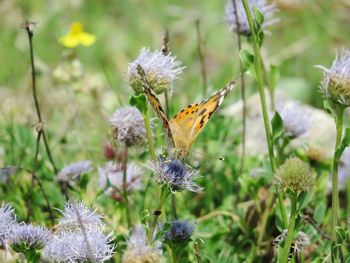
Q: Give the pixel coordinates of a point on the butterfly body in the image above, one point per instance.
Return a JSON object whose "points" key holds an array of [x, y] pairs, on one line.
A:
{"points": [[186, 125]]}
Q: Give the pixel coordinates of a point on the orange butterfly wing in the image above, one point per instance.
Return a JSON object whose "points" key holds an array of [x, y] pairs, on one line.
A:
{"points": [[189, 122]]}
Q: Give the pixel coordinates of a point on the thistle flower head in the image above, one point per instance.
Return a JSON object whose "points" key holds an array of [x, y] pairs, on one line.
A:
{"points": [[113, 175], [73, 171], [300, 242], [295, 175], [296, 118], [138, 250], [75, 247], [25, 236], [242, 26], [161, 70], [76, 216], [175, 175], [128, 125], [336, 80], [179, 232], [7, 221]]}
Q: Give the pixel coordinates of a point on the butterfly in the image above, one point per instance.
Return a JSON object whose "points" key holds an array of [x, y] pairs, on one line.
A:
{"points": [[186, 125]]}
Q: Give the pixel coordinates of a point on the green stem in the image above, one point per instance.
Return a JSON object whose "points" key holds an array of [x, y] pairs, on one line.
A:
{"points": [[336, 158], [125, 190], [260, 80], [163, 195], [290, 233], [269, 86], [152, 151]]}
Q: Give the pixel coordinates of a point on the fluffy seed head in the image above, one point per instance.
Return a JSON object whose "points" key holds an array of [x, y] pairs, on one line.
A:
{"points": [[161, 71], [295, 175], [175, 175], [73, 247], [29, 237], [72, 172], [114, 175], [128, 125], [179, 232], [336, 80], [7, 221], [71, 222], [267, 9], [138, 251], [296, 118]]}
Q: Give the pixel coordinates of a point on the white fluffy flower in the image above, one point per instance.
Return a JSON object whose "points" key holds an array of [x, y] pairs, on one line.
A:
{"points": [[7, 221], [128, 125], [72, 172], [267, 10], [34, 237], [114, 175], [74, 247], [161, 71]]}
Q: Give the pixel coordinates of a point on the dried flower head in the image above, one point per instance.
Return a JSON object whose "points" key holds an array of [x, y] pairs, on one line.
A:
{"points": [[76, 216], [138, 250], [28, 237], [296, 118], [175, 175], [336, 80], [161, 70], [300, 242], [73, 171], [233, 6], [128, 125], [179, 232], [74, 247], [7, 221], [295, 175], [111, 177]]}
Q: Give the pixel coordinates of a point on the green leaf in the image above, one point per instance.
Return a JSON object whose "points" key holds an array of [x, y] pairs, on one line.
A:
{"points": [[320, 212], [274, 75], [346, 139], [277, 126], [248, 62], [328, 107], [259, 16], [140, 102], [304, 199], [341, 234], [83, 181]]}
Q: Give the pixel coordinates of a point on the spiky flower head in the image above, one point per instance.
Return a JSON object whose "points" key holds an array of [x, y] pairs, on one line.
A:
{"points": [[77, 216], [300, 242], [336, 80], [7, 221], [161, 70], [75, 247], [175, 175], [128, 125], [295, 175], [138, 251], [28, 237], [233, 6], [72, 172], [296, 118], [111, 177], [180, 231]]}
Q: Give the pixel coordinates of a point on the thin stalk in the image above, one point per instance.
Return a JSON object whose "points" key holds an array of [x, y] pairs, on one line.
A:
{"points": [[336, 158], [149, 136], [244, 107], [290, 233], [199, 259], [260, 80], [163, 195], [29, 28], [125, 190], [269, 86], [201, 59]]}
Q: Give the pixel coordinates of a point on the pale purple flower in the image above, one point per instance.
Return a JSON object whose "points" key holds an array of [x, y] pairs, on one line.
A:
{"points": [[266, 8], [128, 125], [161, 71], [336, 80], [180, 231], [7, 221], [111, 176], [175, 175], [73, 171], [33, 237], [75, 247]]}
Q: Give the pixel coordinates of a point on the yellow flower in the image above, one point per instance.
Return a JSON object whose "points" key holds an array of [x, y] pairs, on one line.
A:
{"points": [[76, 36]]}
